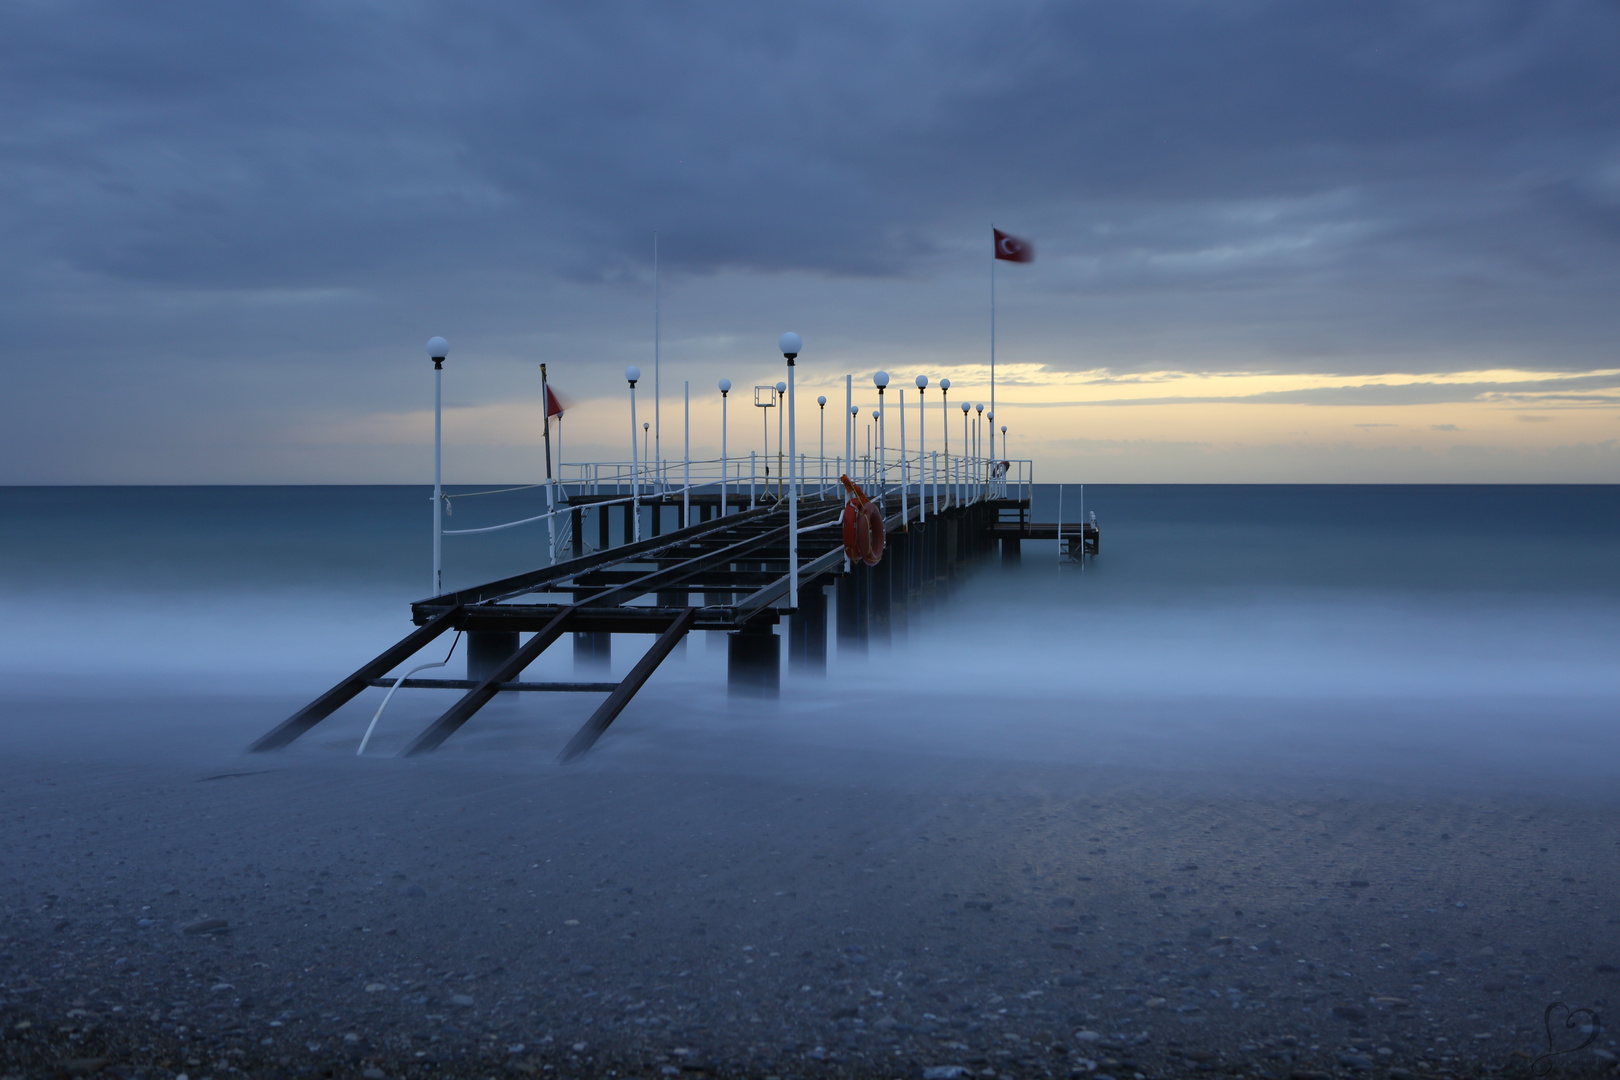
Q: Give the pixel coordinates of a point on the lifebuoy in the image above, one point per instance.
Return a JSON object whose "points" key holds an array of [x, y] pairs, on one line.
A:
{"points": [[863, 526]]}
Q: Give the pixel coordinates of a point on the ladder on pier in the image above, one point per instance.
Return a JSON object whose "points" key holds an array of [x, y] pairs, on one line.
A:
{"points": [[481, 692], [741, 555]]}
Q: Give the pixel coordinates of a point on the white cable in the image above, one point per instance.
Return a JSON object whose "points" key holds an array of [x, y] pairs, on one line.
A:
{"points": [[390, 695]]}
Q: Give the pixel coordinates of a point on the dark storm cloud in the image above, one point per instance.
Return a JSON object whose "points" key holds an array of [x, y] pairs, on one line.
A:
{"points": [[1374, 186], [304, 143]]}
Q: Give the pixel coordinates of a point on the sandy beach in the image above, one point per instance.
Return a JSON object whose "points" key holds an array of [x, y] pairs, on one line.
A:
{"points": [[757, 891]]}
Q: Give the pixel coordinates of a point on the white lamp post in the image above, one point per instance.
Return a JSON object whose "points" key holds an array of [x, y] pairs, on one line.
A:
{"points": [[945, 426], [821, 400], [790, 344], [978, 447], [905, 466], [962, 473], [632, 375], [1009, 457], [781, 416], [438, 349], [922, 447], [725, 389], [881, 380], [851, 434], [871, 455]]}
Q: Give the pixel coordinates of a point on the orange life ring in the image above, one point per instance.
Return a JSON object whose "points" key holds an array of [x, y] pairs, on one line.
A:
{"points": [[863, 526]]}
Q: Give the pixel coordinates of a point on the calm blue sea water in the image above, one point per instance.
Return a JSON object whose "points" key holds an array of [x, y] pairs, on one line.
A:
{"points": [[1299, 623]]}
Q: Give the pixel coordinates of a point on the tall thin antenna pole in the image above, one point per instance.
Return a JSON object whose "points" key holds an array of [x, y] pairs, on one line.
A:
{"points": [[992, 338], [438, 475], [686, 460], [658, 453], [793, 487]]}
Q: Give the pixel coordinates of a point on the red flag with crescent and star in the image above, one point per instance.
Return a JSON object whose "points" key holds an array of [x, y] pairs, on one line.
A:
{"points": [[1012, 249]]}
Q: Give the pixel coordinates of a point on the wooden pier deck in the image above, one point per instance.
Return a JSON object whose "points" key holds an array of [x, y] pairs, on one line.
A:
{"points": [[736, 565]]}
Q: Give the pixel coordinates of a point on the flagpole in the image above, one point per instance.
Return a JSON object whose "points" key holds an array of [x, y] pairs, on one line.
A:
{"points": [[992, 335], [551, 492]]}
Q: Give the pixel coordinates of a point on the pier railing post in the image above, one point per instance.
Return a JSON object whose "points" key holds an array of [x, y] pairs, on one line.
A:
{"points": [[854, 609]]}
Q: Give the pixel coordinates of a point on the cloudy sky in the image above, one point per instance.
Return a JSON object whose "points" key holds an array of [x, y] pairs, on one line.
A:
{"points": [[1277, 240]]}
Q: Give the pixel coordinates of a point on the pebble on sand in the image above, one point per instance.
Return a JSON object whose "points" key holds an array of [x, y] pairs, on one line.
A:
{"points": [[206, 926]]}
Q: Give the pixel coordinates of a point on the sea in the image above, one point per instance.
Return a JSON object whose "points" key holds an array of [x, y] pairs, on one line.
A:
{"points": [[1421, 636]]}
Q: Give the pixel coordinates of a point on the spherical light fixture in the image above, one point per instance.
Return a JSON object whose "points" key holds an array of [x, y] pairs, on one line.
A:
{"points": [[632, 374], [791, 344]]}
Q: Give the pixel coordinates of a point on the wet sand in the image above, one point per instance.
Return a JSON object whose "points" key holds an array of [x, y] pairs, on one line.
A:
{"points": [[711, 896]]}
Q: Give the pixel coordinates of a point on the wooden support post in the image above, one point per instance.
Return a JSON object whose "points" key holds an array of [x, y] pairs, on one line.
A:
{"points": [[462, 711], [754, 661], [853, 589], [604, 535], [807, 632], [577, 516], [898, 556], [487, 650], [593, 652], [880, 598]]}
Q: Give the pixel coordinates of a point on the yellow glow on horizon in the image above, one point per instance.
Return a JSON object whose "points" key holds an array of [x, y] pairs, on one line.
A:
{"points": [[1157, 426]]}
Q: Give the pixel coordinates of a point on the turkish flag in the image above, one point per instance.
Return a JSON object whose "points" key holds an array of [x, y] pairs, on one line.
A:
{"points": [[1013, 249], [554, 405]]}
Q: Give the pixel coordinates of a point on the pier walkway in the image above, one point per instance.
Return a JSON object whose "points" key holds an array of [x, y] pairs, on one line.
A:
{"points": [[728, 574]]}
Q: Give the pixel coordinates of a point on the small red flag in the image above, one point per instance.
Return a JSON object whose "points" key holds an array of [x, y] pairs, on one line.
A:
{"points": [[554, 405], [1013, 249]]}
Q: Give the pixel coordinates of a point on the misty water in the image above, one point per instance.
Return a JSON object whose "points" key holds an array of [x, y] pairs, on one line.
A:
{"points": [[1245, 675], [1449, 634]]}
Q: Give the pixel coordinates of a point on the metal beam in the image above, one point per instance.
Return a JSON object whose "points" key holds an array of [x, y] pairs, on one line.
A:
{"points": [[674, 575], [477, 698], [609, 710], [335, 698], [531, 687]]}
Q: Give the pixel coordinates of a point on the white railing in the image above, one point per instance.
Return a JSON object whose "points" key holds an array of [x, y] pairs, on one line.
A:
{"points": [[938, 480]]}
